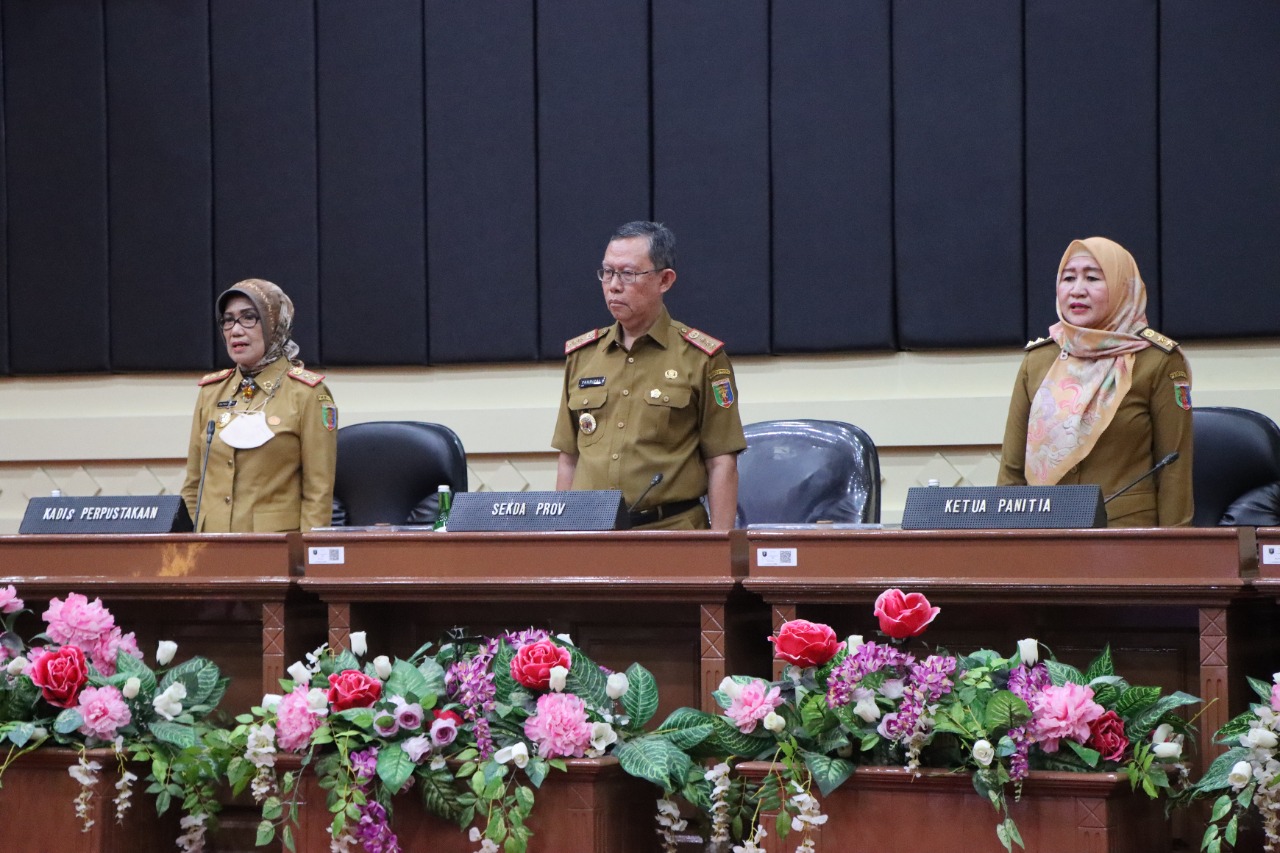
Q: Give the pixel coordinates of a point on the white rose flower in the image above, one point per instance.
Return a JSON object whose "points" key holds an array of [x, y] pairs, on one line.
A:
{"points": [[557, 678], [1240, 775], [318, 701], [853, 642], [382, 666], [984, 752], [40, 733], [474, 835], [300, 673], [438, 762], [1029, 651], [270, 701], [1259, 738], [169, 703], [517, 754], [16, 666], [617, 685], [358, 644], [774, 722], [131, 687], [165, 651], [565, 638], [1169, 750], [1162, 733], [867, 710], [602, 736], [730, 688]]}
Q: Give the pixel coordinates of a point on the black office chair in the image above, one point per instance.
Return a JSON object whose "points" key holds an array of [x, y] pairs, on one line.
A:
{"points": [[1236, 469], [806, 471], [390, 471]]}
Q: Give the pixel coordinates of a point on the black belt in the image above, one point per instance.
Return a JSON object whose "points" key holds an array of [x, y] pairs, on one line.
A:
{"points": [[662, 511]]}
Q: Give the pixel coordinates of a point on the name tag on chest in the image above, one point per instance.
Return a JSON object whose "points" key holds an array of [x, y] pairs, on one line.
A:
{"points": [[591, 382]]}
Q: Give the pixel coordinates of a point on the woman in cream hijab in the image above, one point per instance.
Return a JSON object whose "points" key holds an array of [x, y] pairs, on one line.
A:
{"points": [[264, 434], [1104, 397]]}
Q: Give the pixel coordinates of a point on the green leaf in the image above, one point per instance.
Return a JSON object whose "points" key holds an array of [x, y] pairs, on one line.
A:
{"points": [[1087, 755], [1061, 673], [586, 680], [1135, 700], [440, 795], [691, 737], [21, 733], [272, 808], [433, 674], [178, 734], [1232, 826], [641, 698], [359, 717], [727, 737], [67, 721], [1005, 711], [266, 833], [829, 773], [1140, 725], [524, 797], [130, 667], [394, 767], [1233, 728], [199, 675], [1262, 688], [1102, 665], [503, 683], [405, 679], [655, 760], [1220, 808], [536, 770]]}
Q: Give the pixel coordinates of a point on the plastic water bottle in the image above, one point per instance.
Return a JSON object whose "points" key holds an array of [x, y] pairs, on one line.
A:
{"points": [[445, 498]]}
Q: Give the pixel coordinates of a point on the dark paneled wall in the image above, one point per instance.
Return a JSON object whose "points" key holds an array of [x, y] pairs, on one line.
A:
{"points": [[433, 182]]}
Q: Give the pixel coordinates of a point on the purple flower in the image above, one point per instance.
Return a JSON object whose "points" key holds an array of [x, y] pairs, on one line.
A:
{"points": [[364, 764], [470, 683], [444, 730], [409, 716], [373, 831]]}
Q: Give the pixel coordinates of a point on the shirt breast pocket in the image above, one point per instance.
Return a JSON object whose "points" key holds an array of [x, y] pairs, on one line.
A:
{"points": [[666, 412], [587, 405]]}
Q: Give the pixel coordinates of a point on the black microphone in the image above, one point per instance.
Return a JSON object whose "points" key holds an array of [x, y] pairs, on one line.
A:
{"points": [[657, 478], [1171, 458], [208, 440]]}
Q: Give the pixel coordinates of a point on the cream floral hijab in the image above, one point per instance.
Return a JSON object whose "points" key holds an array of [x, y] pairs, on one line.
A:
{"points": [[1080, 394], [276, 310]]}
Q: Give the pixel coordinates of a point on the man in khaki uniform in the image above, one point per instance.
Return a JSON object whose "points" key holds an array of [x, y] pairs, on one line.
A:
{"points": [[650, 398], [273, 455]]}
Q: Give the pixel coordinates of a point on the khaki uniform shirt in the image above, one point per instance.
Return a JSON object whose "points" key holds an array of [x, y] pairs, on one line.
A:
{"points": [[1153, 420], [663, 407], [284, 484]]}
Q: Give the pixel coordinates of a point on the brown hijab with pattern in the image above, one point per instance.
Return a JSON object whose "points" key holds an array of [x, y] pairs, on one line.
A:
{"points": [[276, 310]]}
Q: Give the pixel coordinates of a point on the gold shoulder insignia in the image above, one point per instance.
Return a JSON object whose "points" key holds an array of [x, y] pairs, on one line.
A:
{"points": [[306, 377], [1038, 342], [1158, 340], [702, 341], [216, 376], [581, 341]]}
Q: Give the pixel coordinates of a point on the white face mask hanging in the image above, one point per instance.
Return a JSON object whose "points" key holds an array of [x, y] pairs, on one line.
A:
{"points": [[247, 430]]}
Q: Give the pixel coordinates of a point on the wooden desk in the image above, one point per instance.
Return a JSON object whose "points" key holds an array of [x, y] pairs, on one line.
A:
{"points": [[666, 599], [217, 595], [1269, 559], [1162, 598]]}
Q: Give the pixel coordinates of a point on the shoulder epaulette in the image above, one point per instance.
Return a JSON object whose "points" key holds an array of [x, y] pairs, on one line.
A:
{"points": [[216, 376], [1158, 340], [581, 341], [1038, 342], [702, 341], [306, 377]]}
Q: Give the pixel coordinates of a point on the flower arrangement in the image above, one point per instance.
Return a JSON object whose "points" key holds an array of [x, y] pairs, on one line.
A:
{"points": [[455, 724], [1247, 775], [843, 703], [82, 683]]}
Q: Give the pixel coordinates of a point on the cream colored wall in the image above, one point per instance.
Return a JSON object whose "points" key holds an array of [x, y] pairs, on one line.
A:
{"points": [[932, 415]]}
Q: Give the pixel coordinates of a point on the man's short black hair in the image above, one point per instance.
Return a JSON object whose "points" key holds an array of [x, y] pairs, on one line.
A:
{"points": [[662, 242]]}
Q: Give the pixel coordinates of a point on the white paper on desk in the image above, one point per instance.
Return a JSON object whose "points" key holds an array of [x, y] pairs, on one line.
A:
{"points": [[326, 556], [1271, 555], [776, 557]]}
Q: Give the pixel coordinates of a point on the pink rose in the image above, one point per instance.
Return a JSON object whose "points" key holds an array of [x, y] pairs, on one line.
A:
{"points": [[1063, 712], [60, 675], [9, 601], [444, 728], [753, 703], [531, 667], [1106, 734], [805, 643], [295, 721], [103, 652], [559, 727], [904, 615], [78, 621], [104, 711], [1275, 698], [351, 688]]}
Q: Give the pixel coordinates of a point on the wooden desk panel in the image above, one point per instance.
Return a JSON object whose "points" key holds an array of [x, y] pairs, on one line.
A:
{"points": [[666, 599], [218, 595], [1168, 594]]}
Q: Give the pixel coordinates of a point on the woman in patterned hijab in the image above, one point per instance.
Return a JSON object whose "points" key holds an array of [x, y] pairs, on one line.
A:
{"points": [[276, 310], [1111, 399]]}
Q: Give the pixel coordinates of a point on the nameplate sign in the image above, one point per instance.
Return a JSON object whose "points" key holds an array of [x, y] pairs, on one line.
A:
{"points": [[537, 511], [1003, 507], [111, 514]]}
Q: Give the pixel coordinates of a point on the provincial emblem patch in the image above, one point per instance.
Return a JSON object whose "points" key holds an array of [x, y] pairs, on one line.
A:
{"points": [[722, 389], [329, 416], [1182, 394]]}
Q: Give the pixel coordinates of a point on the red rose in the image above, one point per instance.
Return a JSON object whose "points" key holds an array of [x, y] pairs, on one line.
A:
{"points": [[904, 615], [1106, 734], [447, 715], [805, 643], [351, 688], [60, 675], [531, 667]]}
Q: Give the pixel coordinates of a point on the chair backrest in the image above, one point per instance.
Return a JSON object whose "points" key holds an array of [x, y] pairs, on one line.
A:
{"points": [[805, 471], [389, 472], [1236, 451]]}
